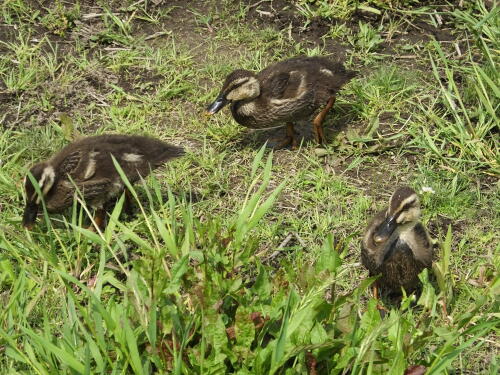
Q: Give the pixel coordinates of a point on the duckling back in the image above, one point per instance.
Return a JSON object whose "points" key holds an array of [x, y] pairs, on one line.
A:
{"points": [[128, 148], [151, 150], [89, 164], [322, 75]]}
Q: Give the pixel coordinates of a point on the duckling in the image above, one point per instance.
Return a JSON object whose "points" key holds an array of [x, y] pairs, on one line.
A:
{"points": [[282, 94], [87, 164], [396, 245]]}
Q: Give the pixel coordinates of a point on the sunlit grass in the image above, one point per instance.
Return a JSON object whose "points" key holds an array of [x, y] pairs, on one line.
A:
{"points": [[239, 259]]}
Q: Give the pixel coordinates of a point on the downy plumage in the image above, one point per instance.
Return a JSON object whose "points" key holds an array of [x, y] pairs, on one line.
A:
{"points": [[396, 245], [284, 93], [87, 165]]}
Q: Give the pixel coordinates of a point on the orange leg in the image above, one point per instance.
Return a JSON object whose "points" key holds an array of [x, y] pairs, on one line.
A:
{"points": [[291, 135], [99, 218], [444, 310], [318, 121], [290, 138], [376, 296]]}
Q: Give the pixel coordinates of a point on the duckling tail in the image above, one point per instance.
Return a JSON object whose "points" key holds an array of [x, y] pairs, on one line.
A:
{"points": [[351, 74], [346, 76], [168, 152]]}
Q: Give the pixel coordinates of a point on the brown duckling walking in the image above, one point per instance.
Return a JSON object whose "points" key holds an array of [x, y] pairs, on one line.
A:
{"points": [[284, 93], [396, 245], [87, 164]]}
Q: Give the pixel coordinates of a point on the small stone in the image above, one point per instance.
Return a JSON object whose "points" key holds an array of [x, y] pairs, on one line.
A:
{"points": [[321, 152]]}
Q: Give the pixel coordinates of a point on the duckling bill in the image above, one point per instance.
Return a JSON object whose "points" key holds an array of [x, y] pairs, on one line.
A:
{"points": [[87, 165], [396, 245], [282, 94]]}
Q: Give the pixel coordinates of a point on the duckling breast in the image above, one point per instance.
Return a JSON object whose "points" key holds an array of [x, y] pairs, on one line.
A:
{"points": [[401, 269]]}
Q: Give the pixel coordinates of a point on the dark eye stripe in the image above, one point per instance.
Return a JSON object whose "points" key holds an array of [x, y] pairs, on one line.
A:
{"points": [[231, 88], [408, 205]]}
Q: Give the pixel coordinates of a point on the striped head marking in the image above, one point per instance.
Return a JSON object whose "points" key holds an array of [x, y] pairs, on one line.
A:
{"points": [[45, 176], [244, 88], [404, 205], [239, 85]]}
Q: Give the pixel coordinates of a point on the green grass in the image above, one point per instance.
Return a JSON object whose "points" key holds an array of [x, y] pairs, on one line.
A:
{"points": [[240, 259]]}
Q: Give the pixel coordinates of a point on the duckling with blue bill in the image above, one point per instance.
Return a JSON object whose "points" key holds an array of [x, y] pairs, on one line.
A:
{"points": [[396, 245], [87, 165], [283, 94]]}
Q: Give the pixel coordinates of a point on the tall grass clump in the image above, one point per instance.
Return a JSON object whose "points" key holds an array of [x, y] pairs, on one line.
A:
{"points": [[170, 292], [464, 115]]}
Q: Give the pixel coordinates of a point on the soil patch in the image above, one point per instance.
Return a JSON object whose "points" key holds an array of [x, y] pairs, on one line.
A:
{"points": [[285, 17]]}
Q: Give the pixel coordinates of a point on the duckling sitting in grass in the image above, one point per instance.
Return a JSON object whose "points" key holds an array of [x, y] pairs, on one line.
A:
{"points": [[396, 245], [282, 94], [87, 165]]}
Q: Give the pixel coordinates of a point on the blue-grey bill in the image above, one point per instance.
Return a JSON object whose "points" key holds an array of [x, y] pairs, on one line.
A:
{"points": [[385, 229], [216, 106]]}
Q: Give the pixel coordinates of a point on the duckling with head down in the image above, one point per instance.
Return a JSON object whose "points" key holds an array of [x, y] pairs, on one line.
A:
{"points": [[396, 245], [87, 165], [283, 93]]}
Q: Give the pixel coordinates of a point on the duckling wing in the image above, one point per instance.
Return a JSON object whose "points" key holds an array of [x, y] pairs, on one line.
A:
{"points": [[99, 189], [146, 154], [100, 167], [368, 260], [422, 248], [79, 165], [70, 163], [277, 84], [284, 85], [371, 252]]}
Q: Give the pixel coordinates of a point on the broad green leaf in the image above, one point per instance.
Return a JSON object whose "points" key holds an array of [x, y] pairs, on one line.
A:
{"points": [[67, 126], [329, 258], [135, 359], [65, 357], [244, 327], [262, 287]]}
